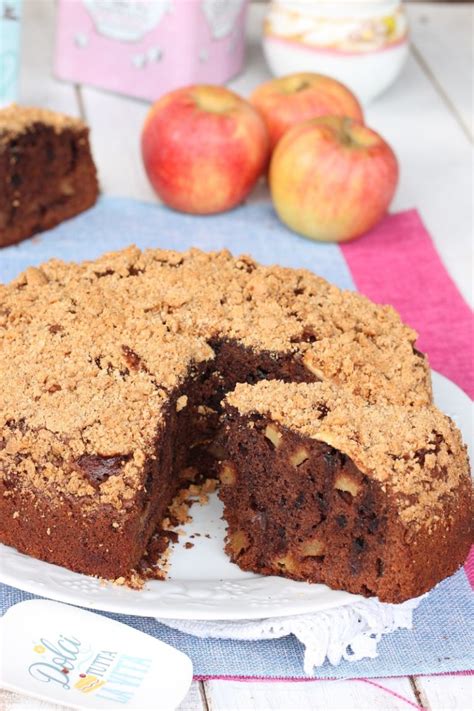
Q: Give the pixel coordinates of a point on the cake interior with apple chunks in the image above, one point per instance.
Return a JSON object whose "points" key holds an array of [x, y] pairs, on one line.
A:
{"points": [[46, 171], [126, 377], [355, 506]]}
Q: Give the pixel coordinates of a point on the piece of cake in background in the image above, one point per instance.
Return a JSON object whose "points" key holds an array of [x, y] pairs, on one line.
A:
{"points": [[10, 16], [145, 48], [47, 173], [362, 44]]}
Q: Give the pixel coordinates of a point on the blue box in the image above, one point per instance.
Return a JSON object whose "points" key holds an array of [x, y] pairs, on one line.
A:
{"points": [[10, 15]]}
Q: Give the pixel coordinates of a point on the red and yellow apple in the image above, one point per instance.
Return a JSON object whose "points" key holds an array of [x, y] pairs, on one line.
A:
{"points": [[204, 148], [290, 100], [332, 179]]}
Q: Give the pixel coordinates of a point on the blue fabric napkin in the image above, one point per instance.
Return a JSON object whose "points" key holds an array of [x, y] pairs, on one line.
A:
{"points": [[441, 641]]}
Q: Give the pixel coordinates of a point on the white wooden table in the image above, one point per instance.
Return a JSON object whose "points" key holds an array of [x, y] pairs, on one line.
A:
{"points": [[427, 117]]}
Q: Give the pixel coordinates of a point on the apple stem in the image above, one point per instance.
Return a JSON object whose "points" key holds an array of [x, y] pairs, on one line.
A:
{"points": [[304, 85], [346, 135]]}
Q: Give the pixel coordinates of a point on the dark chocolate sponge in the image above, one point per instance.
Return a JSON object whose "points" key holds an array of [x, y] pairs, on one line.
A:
{"points": [[46, 171]]}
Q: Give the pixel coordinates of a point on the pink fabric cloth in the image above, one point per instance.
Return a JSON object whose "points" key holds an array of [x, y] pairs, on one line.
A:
{"points": [[397, 263], [469, 567]]}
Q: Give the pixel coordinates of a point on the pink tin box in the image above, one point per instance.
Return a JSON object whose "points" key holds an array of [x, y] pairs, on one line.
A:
{"points": [[145, 48]]}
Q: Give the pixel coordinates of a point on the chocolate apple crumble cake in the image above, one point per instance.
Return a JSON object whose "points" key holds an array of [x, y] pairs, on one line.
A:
{"points": [[123, 377], [46, 171]]}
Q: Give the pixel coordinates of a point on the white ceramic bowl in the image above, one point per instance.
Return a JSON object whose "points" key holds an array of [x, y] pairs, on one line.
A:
{"points": [[362, 44]]}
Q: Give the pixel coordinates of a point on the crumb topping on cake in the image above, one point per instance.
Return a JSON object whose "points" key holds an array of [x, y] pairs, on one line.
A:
{"points": [[214, 295], [84, 373], [91, 352], [416, 453], [16, 119], [374, 365]]}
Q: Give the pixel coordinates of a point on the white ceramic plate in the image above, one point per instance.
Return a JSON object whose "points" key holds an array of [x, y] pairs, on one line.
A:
{"points": [[202, 583]]}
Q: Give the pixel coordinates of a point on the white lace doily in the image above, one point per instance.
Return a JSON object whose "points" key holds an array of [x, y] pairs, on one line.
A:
{"points": [[349, 632]]}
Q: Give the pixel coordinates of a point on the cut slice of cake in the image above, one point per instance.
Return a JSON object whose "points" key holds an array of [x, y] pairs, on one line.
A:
{"points": [[46, 171], [319, 485]]}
